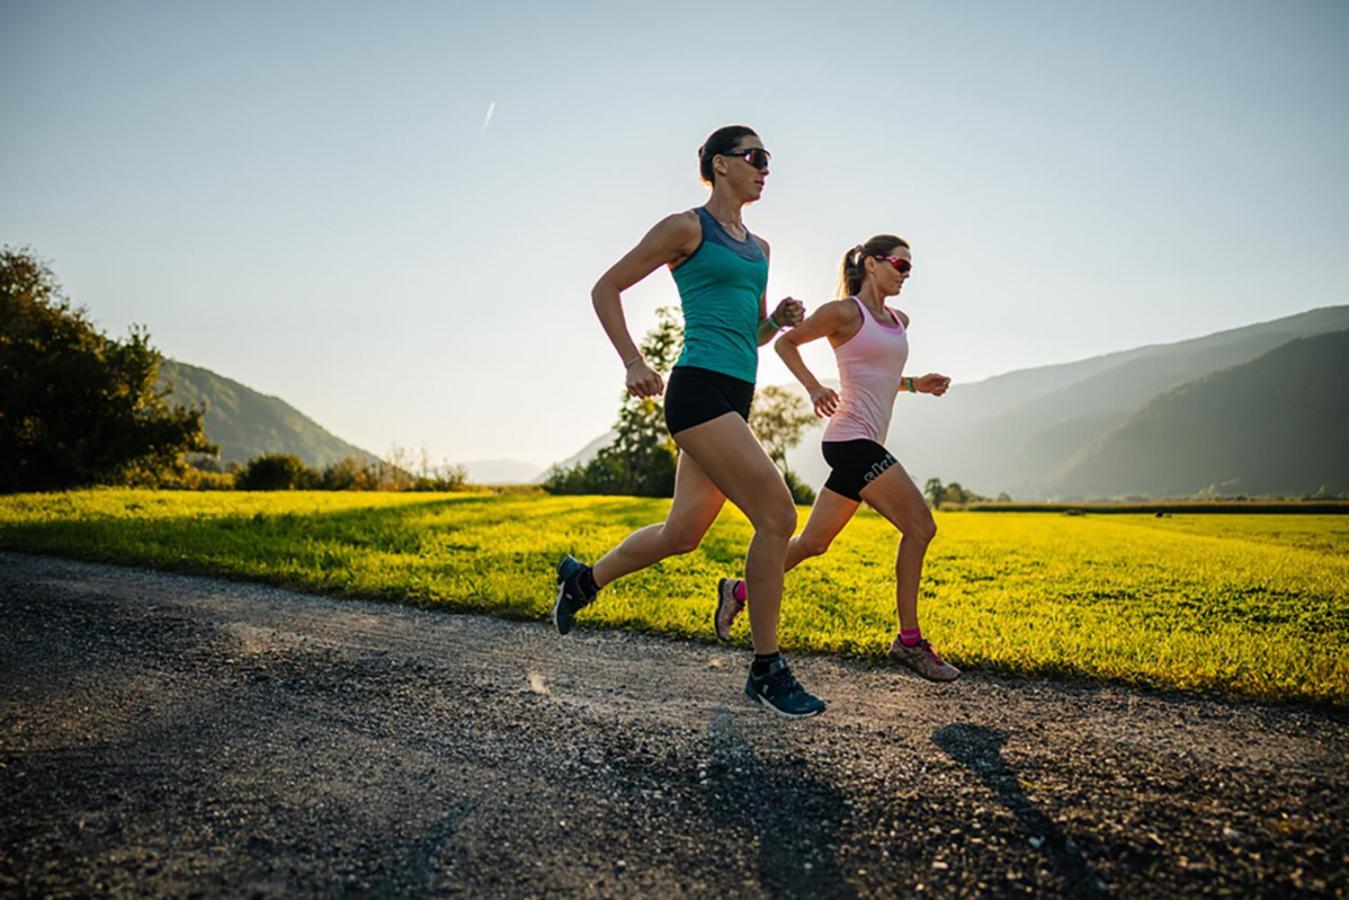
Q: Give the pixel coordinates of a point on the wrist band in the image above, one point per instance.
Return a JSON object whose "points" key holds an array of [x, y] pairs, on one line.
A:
{"points": [[773, 322], [628, 364], [913, 388]]}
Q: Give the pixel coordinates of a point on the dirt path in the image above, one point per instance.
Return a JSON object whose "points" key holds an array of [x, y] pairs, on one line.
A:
{"points": [[180, 735]]}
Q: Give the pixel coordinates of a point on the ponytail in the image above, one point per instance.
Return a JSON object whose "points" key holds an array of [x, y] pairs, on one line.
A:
{"points": [[853, 270]]}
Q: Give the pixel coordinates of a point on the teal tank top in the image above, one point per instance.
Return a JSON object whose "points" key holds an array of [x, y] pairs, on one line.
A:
{"points": [[719, 289]]}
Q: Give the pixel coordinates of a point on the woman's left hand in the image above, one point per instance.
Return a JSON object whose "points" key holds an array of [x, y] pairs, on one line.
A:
{"points": [[931, 383], [789, 313]]}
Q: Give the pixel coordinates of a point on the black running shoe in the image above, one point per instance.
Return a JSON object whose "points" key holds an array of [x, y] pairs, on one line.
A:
{"points": [[570, 597], [782, 693]]}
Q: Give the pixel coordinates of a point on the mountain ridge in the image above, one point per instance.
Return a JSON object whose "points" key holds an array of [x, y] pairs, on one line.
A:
{"points": [[244, 422]]}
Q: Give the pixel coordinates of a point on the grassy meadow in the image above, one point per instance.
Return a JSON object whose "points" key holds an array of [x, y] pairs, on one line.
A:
{"points": [[1253, 606]]}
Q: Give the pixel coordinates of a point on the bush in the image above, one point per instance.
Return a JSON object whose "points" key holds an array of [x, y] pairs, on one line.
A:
{"points": [[276, 472], [349, 474]]}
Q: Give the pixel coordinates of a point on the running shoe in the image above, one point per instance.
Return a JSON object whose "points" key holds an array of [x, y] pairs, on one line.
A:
{"points": [[728, 607], [923, 660], [570, 598], [782, 693]]}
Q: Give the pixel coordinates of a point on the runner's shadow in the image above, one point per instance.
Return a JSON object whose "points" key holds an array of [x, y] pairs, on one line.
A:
{"points": [[980, 750], [796, 819]]}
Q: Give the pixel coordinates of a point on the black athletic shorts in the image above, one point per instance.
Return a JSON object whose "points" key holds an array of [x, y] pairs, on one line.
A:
{"points": [[855, 464], [694, 396]]}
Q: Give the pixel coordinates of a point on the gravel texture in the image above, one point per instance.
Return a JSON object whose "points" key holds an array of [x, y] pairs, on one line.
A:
{"points": [[172, 735]]}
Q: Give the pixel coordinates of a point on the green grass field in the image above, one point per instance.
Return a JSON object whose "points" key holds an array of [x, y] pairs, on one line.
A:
{"points": [[1253, 606]]}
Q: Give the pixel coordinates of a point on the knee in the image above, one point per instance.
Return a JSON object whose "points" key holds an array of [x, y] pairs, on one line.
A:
{"points": [[923, 531], [777, 520]]}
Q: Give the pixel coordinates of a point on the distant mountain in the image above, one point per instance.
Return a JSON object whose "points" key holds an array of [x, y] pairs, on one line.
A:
{"points": [[244, 423], [1276, 425], [1017, 432], [584, 455], [501, 471]]}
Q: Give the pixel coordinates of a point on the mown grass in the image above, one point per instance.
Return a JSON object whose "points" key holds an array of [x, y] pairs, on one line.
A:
{"points": [[1253, 606]]}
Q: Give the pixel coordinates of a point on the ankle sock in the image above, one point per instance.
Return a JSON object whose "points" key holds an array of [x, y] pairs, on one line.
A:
{"points": [[911, 638], [739, 591], [761, 663], [587, 581]]}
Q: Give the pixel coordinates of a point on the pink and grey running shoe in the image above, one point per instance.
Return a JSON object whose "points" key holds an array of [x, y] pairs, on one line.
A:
{"points": [[923, 660], [728, 607]]}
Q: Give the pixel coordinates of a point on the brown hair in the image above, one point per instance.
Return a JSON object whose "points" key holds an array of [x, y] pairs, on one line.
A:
{"points": [[853, 271], [723, 140]]}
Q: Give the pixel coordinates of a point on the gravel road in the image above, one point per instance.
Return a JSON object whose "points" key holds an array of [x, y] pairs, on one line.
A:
{"points": [[173, 735]]}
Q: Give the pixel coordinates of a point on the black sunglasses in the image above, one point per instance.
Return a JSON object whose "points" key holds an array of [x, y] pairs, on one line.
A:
{"points": [[757, 157]]}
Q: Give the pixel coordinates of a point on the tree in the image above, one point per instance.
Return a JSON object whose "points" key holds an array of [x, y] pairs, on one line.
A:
{"points": [[641, 460], [935, 492], [275, 472], [777, 418], [955, 492], [77, 407]]}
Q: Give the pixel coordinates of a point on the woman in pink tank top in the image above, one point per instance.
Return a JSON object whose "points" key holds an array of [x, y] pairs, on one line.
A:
{"points": [[871, 344]]}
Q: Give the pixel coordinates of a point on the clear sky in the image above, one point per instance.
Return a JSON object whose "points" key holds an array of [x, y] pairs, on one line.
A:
{"points": [[312, 198]]}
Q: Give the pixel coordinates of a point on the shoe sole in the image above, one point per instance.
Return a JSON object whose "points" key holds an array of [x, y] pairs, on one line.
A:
{"points": [[786, 715], [716, 616], [557, 601], [561, 588]]}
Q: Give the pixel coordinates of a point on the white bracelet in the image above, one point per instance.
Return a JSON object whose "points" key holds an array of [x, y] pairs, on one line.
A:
{"points": [[628, 364]]}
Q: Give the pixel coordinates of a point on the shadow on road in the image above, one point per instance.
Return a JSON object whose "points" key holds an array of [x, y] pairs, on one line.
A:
{"points": [[980, 750], [795, 818]]}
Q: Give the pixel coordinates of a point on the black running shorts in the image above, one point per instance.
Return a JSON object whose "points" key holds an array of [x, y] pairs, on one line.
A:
{"points": [[694, 396], [855, 465]]}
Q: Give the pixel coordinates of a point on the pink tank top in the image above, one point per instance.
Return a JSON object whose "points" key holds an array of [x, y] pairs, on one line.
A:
{"points": [[870, 364]]}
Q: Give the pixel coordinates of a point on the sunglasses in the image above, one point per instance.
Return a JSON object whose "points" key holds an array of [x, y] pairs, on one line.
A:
{"points": [[757, 157], [902, 266]]}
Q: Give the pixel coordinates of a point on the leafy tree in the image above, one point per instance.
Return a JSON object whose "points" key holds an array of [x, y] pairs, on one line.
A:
{"points": [[642, 458], [77, 407], [935, 492], [777, 418], [957, 493]]}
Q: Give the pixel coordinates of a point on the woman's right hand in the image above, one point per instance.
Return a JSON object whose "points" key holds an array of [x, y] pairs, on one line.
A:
{"points": [[825, 401], [644, 381]]}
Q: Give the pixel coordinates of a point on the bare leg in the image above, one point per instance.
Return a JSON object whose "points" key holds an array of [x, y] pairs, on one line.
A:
{"points": [[894, 495], [827, 517], [696, 504], [731, 457]]}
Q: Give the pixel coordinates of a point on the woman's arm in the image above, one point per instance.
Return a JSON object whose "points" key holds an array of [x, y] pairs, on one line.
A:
{"points": [[829, 319], [789, 311], [932, 383], [673, 238]]}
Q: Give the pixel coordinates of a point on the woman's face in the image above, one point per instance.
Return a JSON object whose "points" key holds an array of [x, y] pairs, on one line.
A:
{"points": [[744, 169], [889, 279]]}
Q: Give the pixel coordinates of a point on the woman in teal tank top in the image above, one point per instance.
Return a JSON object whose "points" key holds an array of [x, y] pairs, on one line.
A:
{"points": [[721, 271]]}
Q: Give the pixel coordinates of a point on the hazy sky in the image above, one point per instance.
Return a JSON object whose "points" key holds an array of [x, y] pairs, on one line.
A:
{"points": [[391, 214]]}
